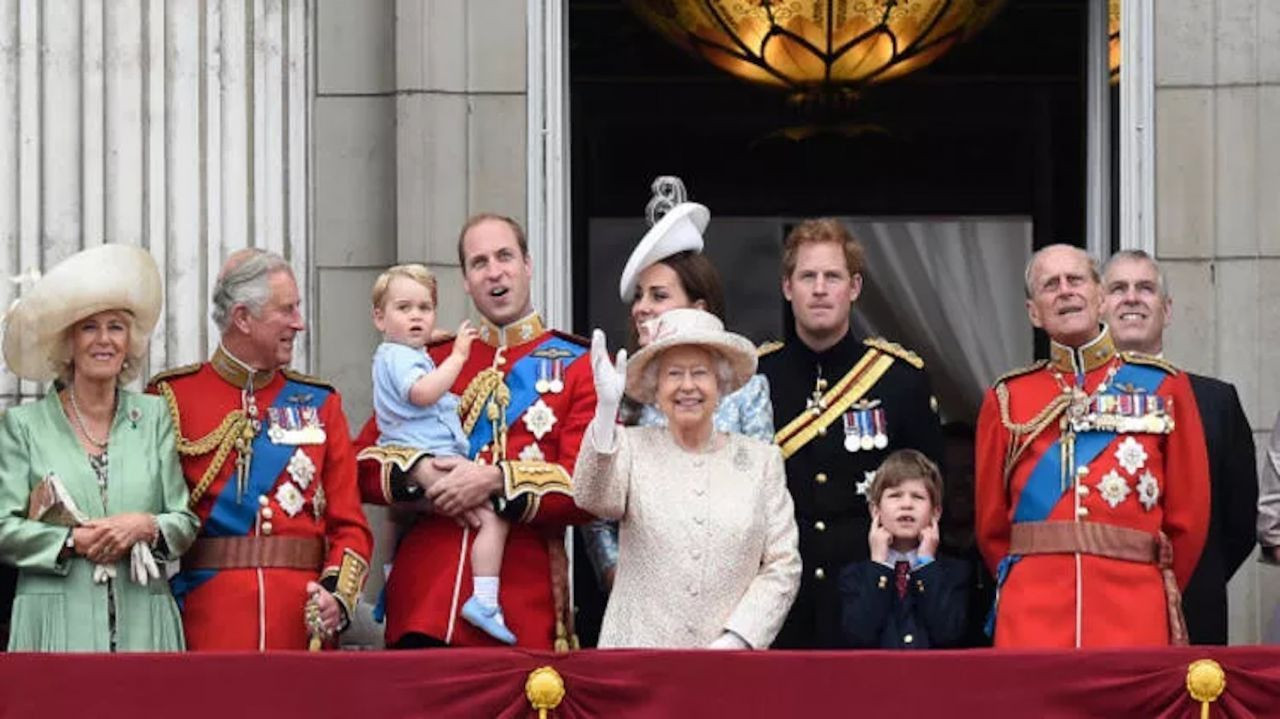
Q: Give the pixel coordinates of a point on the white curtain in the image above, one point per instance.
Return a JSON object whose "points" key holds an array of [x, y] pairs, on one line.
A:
{"points": [[952, 290]]}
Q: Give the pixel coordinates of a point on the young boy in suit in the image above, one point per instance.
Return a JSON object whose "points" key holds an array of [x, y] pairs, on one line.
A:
{"points": [[904, 596]]}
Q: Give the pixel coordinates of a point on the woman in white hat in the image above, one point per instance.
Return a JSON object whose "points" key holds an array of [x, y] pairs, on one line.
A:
{"points": [[708, 553], [91, 493], [667, 271]]}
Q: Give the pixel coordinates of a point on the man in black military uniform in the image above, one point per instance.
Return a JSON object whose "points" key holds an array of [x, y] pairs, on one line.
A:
{"points": [[841, 404]]}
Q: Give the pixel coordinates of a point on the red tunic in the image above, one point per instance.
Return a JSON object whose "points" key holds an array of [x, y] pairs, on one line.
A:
{"points": [[1074, 600], [431, 575], [248, 609]]}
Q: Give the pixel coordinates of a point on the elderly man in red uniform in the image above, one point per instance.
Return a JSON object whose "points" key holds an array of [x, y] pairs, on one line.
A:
{"points": [[527, 397], [1092, 479], [283, 547]]}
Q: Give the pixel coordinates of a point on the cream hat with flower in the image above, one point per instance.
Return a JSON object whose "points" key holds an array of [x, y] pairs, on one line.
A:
{"points": [[687, 326], [105, 277]]}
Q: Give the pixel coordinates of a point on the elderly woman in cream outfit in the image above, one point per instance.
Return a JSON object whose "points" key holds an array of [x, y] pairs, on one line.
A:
{"points": [[95, 586], [708, 554]]}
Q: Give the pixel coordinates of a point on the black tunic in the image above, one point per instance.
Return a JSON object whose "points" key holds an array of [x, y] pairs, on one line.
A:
{"points": [[823, 476]]}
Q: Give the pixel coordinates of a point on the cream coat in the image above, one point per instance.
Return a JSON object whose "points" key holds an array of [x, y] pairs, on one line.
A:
{"points": [[708, 542]]}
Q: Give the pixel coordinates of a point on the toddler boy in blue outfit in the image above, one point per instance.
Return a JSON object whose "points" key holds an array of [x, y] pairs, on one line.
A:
{"points": [[415, 409]]}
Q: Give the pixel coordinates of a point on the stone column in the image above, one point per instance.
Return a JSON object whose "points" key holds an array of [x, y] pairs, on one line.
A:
{"points": [[181, 126], [1217, 187]]}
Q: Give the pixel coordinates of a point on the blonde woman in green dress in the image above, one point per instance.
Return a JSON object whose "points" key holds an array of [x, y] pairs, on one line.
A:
{"points": [[106, 455]]}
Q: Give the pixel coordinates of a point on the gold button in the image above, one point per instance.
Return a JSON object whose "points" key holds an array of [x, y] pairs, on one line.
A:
{"points": [[820, 477], [908, 639], [266, 513], [820, 525], [1082, 512], [262, 500], [266, 527], [1082, 470], [884, 581], [819, 573], [822, 431], [1082, 490]]}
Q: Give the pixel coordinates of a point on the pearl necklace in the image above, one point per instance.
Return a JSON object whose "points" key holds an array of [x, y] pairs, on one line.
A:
{"points": [[75, 414]]}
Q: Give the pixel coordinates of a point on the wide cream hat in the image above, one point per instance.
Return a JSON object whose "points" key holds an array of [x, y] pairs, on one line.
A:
{"points": [[687, 326], [105, 277]]}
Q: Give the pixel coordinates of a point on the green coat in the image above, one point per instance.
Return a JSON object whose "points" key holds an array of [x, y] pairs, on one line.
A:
{"points": [[57, 606]]}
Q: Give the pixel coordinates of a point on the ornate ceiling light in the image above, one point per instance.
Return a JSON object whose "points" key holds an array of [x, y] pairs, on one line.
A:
{"points": [[818, 48]]}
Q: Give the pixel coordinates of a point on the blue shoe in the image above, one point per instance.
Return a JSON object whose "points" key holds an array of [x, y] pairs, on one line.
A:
{"points": [[488, 620]]}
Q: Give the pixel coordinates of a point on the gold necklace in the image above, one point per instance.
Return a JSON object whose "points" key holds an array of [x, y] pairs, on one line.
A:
{"points": [[75, 414]]}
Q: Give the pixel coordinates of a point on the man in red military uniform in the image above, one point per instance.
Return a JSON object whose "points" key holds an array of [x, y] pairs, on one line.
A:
{"points": [[283, 547], [1092, 479], [527, 397]]}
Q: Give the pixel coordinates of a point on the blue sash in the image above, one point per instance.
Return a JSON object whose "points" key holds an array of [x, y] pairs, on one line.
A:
{"points": [[234, 516], [1044, 485], [520, 381]]}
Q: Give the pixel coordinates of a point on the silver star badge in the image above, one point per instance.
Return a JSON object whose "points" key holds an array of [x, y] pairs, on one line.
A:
{"points": [[1131, 455], [302, 469], [865, 485], [1148, 491], [539, 419], [1113, 488]]}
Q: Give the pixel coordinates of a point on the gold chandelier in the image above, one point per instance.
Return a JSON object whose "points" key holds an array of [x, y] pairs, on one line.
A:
{"points": [[817, 47]]}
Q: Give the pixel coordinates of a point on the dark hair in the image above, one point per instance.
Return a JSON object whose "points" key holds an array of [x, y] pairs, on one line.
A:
{"points": [[901, 466], [821, 230], [699, 280], [486, 217]]}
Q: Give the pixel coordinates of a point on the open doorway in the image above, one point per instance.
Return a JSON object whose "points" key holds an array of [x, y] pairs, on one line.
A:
{"points": [[993, 132]]}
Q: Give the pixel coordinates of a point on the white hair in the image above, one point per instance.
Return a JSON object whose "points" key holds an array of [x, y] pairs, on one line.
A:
{"points": [[246, 281], [1028, 274], [720, 365]]}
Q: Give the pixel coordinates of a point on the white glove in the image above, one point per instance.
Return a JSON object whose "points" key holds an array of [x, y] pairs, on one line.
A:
{"points": [[103, 572], [729, 640], [142, 564], [611, 380]]}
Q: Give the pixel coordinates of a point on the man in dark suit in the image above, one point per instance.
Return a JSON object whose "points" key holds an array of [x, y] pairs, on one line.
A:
{"points": [[1138, 308]]}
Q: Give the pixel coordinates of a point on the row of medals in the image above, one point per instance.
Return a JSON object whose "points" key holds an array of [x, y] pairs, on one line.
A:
{"points": [[1126, 412], [865, 425], [550, 376]]}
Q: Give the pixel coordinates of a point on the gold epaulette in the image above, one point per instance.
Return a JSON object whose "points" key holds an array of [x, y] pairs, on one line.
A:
{"points": [[769, 348], [169, 374], [1037, 365], [895, 349], [297, 376], [581, 341], [1150, 361]]}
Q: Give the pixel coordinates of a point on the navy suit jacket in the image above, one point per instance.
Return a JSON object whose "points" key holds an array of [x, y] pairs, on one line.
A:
{"points": [[1233, 479], [931, 616]]}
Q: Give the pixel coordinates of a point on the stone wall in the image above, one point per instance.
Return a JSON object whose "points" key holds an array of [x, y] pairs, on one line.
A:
{"points": [[1218, 217], [419, 123]]}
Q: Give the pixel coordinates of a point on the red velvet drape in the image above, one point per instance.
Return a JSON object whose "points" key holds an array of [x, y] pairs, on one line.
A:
{"points": [[490, 683]]}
